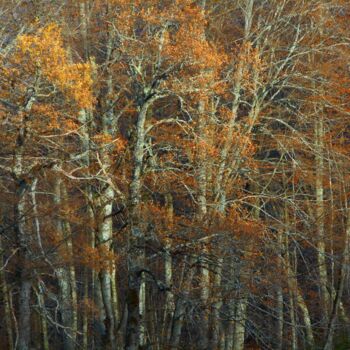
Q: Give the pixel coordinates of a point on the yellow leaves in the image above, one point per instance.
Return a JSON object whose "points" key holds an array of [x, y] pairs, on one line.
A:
{"points": [[189, 44], [97, 258], [104, 139], [43, 55], [249, 66], [47, 118], [160, 217], [70, 125], [120, 145], [43, 51], [78, 84]]}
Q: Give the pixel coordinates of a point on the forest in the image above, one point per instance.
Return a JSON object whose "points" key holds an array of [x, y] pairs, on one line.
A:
{"points": [[174, 174]]}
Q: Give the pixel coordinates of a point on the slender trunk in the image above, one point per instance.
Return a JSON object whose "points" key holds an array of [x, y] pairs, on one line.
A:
{"points": [[71, 270], [136, 257], [24, 327], [169, 297], [215, 324], [99, 326], [62, 273], [334, 315], [180, 308], [298, 300], [306, 318], [85, 318], [229, 340], [230, 306], [85, 118], [237, 83], [40, 293], [154, 336], [244, 274], [169, 306], [22, 239], [320, 213], [293, 282], [279, 295], [43, 320], [279, 316], [106, 289], [105, 235], [115, 300], [99, 336], [293, 340], [201, 214], [24, 313], [142, 310], [339, 292], [291, 290], [6, 301], [65, 307], [240, 322], [84, 28]]}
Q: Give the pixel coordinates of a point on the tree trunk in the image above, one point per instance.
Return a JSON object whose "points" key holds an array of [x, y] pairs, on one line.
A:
{"points": [[339, 292], [201, 215], [240, 322], [71, 270], [320, 213], [293, 326], [279, 316], [136, 257], [24, 327], [84, 118], [62, 273], [215, 324], [180, 308], [43, 320], [115, 300], [6, 301], [169, 306], [279, 295], [85, 317], [105, 235]]}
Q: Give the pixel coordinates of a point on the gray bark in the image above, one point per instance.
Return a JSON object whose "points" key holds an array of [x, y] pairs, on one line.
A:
{"points": [[64, 282], [135, 322], [6, 301], [320, 213], [105, 234], [19, 172], [215, 324], [339, 292], [240, 322], [180, 308]]}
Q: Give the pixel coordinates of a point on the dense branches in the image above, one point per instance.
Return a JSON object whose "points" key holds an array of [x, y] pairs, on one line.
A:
{"points": [[174, 174]]}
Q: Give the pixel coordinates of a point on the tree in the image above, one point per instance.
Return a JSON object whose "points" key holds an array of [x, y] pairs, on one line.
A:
{"points": [[174, 174]]}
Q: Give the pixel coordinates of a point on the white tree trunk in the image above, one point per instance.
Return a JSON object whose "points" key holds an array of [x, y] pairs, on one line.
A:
{"points": [[136, 258], [105, 235], [63, 278], [320, 213]]}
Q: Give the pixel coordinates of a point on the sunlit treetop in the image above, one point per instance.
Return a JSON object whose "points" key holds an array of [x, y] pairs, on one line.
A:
{"points": [[43, 59]]}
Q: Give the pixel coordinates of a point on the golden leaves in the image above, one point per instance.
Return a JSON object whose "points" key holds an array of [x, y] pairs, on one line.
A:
{"points": [[43, 55], [249, 66], [103, 139]]}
